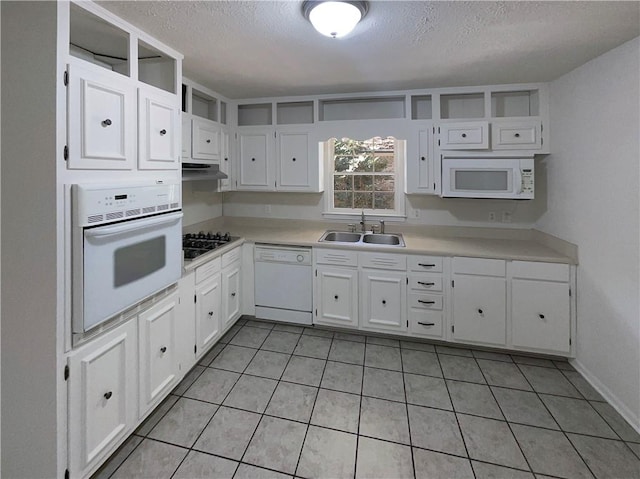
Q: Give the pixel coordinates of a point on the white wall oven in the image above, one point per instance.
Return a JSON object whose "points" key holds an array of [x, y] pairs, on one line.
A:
{"points": [[511, 178], [126, 246]]}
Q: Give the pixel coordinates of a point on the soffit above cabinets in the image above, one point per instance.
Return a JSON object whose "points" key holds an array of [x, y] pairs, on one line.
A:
{"points": [[245, 49]]}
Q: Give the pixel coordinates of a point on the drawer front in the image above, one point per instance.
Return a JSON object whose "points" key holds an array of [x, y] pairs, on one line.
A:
{"points": [[423, 282], [396, 262], [480, 266], [541, 271], [425, 263], [231, 256], [426, 323], [337, 257], [425, 301], [207, 270], [516, 136], [464, 136]]}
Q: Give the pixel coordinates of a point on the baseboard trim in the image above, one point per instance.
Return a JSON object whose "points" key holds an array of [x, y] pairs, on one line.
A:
{"points": [[632, 418]]}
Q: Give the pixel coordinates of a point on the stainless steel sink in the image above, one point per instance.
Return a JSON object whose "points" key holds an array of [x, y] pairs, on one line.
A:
{"points": [[383, 239], [341, 236], [363, 239]]}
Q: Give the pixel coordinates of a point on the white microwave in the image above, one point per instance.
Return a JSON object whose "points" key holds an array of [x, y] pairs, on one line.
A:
{"points": [[511, 178]]}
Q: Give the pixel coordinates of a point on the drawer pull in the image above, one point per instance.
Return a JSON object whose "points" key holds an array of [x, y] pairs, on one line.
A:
{"points": [[517, 135], [464, 135], [210, 313], [480, 311], [335, 297], [426, 324], [106, 122], [541, 316], [233, 295], [163, 349], [163, 132], [422, 158], [384, 301], [426, 302], [108, 395], [293, 159], [427, 265], [208, 141], [426, 284]]}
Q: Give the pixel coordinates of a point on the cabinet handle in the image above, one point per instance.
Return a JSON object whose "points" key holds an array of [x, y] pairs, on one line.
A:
{"points": [[422, 158], [163, 132], [293, 159], [226, 159], [427, 265], [541, 316], [253, 159], [106, 122], [517, 135], [480, 311], [233, 294], [464, 135], [208, 141], [384, 301], [426, 324], [210, 313], [108, 395], [163, 349], [426, 284], [426, 302], [335, 297]]}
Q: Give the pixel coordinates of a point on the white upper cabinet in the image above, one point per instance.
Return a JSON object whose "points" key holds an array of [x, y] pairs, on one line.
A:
{"points": [[293, 155], [206, 139], [464, 136], [158, 130], [420, 170], [254, 169], [102, 119], [516, 135]]}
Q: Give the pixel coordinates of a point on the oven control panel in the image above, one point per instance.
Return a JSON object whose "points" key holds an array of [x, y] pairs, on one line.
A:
{"points": [[100, 204]]}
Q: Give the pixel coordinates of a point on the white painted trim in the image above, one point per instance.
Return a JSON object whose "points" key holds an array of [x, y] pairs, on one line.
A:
{"points": [[606, 393]]}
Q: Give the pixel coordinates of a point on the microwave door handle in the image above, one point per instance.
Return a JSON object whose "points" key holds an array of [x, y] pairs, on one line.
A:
{"points": [[519, 180], [132, 225]]}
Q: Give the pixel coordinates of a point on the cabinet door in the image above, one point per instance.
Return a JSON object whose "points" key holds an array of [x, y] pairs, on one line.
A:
{"points": [[208, 315], [158, 130], [383, 301], [102, 396], [420, 164], [102, 120], [479, 309], [231, 294], [293, 161], [158, 353], [517, 135], [540, 315], [186, 138], [253, 161], [473, 135], [225, 161], [206, 139], [336, 296], [186, 322]]}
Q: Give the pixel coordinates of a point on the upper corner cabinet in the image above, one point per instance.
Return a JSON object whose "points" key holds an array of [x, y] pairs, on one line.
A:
{"points": [[102, 119]]}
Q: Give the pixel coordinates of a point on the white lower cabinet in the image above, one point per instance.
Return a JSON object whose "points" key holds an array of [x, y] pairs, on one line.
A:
{"points": [[158, 354], [479, 309], [336, 296], [208, 313], [541, 307], [103, 396], [383, 300], [231, 287]]}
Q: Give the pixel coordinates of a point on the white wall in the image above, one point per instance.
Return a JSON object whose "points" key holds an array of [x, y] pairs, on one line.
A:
{"points": [[200, 202], [30, 367], [593, 201]]}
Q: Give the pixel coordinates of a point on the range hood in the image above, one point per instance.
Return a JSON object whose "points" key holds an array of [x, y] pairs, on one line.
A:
{"points": [[200, 171]]}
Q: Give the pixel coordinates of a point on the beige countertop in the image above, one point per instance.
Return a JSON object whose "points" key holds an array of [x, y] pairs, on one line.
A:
{"points": [[524, 245]]}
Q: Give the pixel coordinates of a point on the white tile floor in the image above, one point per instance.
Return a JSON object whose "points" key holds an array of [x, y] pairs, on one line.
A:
{"points": [[276, 400]]}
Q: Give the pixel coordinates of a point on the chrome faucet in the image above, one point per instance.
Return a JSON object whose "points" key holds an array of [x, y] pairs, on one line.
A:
{"points": [[382, 226], [362, 222]]}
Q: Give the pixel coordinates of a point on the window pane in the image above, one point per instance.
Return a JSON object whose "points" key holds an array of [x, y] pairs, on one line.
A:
{"points": [[362, 200], [384, 183], [342, 163], [383, 201], [363, 163], [342, 182], [383, 164], [363, 183], [343, 199]]}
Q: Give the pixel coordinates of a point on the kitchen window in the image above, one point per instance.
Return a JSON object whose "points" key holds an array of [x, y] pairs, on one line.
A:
{"points": [[365, 175]]}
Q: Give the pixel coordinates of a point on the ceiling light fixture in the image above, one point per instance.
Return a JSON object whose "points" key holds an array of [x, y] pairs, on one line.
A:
{"points": [[334, 18]]}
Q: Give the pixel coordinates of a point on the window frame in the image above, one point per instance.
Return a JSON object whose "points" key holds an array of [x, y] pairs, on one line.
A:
{"points": [[400, 148]]}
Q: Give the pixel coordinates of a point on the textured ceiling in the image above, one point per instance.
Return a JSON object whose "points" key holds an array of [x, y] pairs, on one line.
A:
{"points": [[245, 49]]}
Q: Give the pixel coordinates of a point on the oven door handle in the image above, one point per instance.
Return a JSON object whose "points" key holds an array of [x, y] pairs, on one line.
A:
{"points": [[104, 231]]}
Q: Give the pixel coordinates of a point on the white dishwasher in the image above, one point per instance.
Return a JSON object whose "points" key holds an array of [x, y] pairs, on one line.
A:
{"points": [[283, 283]]}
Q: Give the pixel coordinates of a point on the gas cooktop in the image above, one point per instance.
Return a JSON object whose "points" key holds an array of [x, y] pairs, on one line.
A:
{"points": [[196, 244]]}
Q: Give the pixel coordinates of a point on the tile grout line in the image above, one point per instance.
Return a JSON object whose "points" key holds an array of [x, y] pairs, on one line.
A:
{"points": [[406, 406]]}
